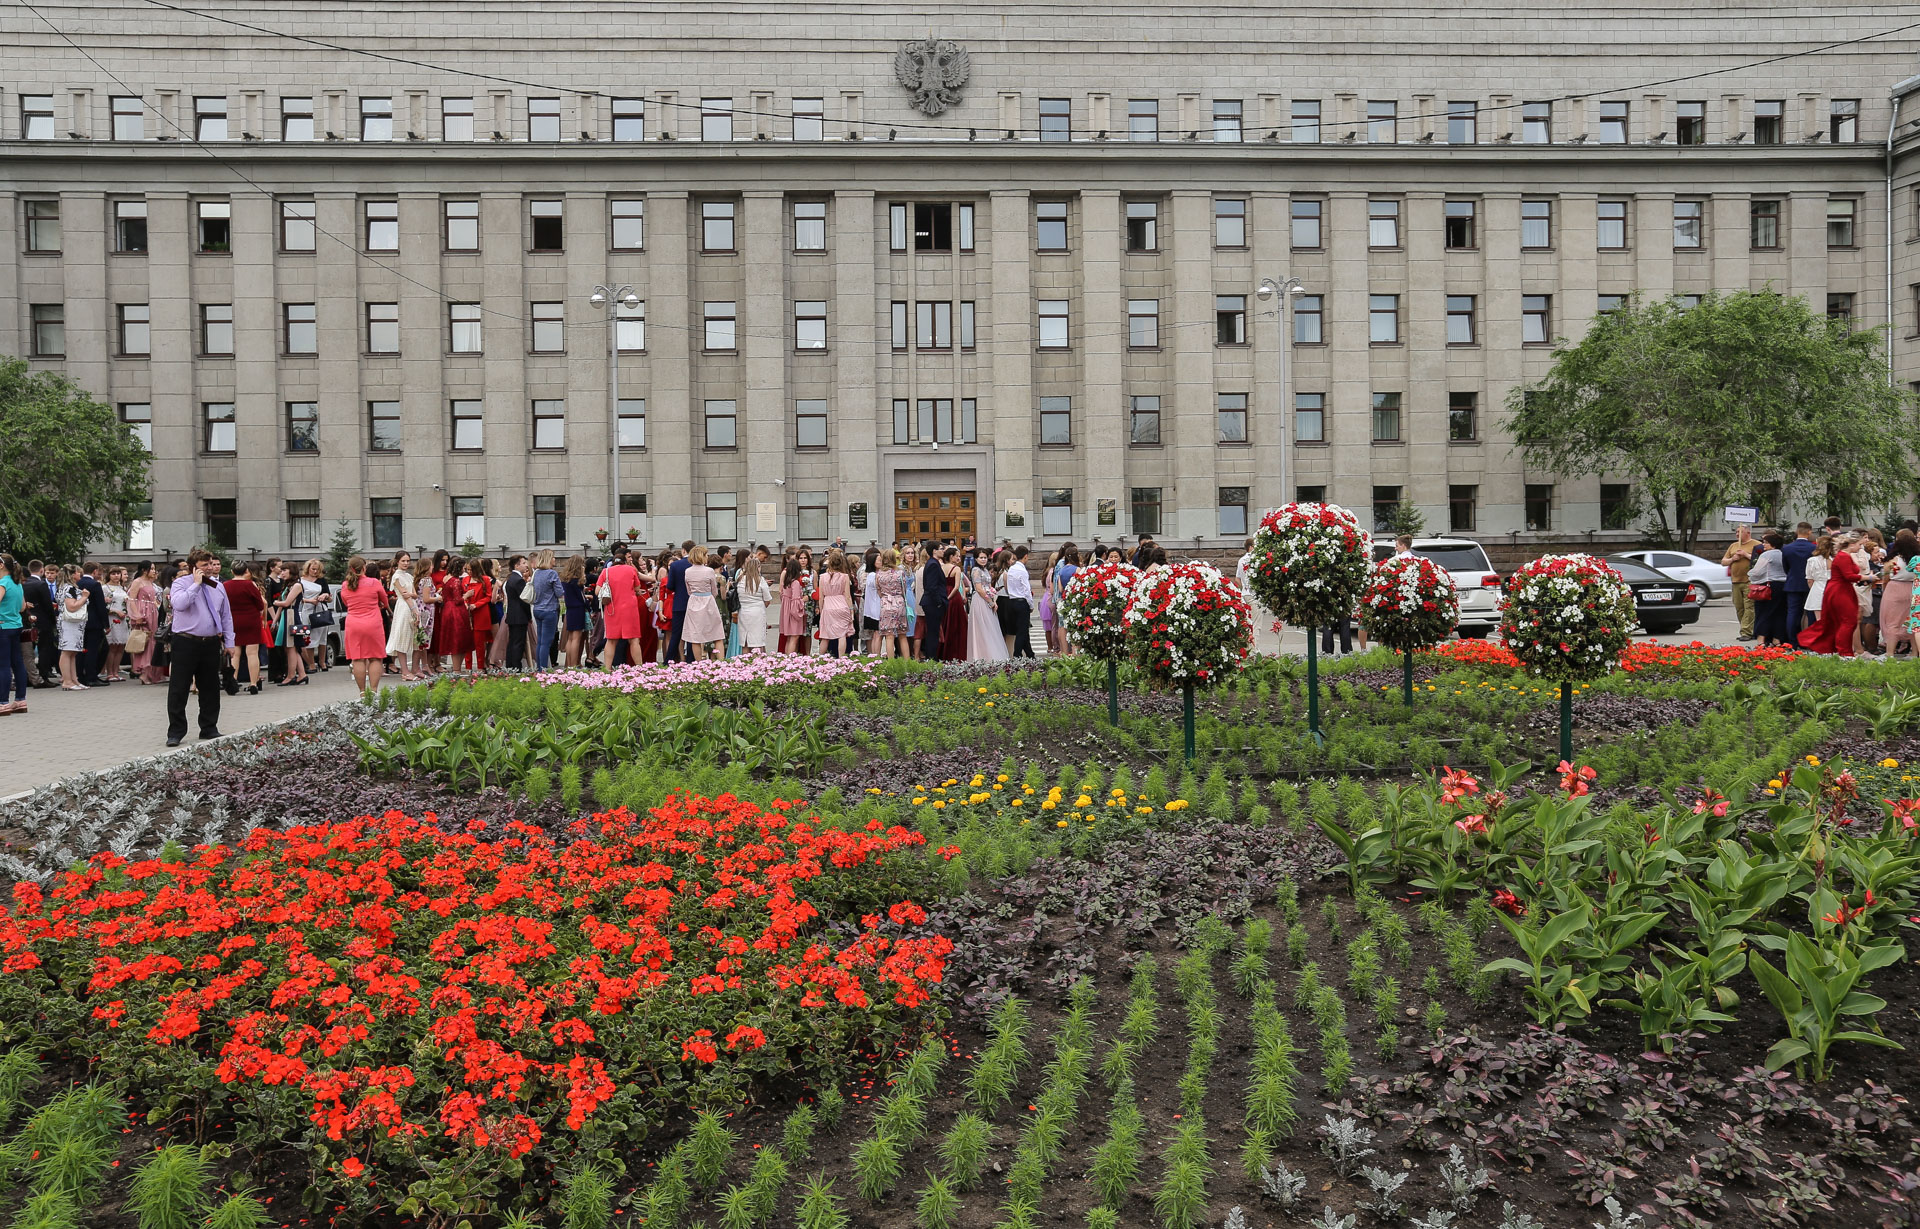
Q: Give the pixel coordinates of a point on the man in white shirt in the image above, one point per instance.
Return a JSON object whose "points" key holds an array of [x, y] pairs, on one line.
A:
{"points": [[1017, 622]]}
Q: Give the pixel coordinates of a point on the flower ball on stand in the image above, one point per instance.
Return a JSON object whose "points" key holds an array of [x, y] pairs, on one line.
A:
{"points": [[1310, 562], [1566, 617], [1187, 626], [1409, 603], [1093, 610]]}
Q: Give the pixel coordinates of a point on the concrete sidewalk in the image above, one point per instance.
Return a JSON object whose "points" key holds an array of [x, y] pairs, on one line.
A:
{"points": [[68, 732]]}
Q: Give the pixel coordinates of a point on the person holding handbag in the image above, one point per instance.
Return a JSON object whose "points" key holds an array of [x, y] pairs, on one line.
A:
{"points": [[1766, 590], [619, 592], [73, 629], [316, 614], [143, 612]]}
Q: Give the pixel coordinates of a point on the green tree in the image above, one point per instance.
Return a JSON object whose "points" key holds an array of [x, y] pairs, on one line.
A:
{"points": [[1407, 518], [70, 471], [343, 547], [1704, 404]]}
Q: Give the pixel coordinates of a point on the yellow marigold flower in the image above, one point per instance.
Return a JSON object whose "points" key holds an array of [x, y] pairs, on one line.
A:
{"points": [[1061, 823], [1026, 789], [996, 784], [1118, 792], [1143, 810], [989, 703], [1775, 783], [1003, 777], [983, 691], [1083, 801], [939, 804], [918, 801], [1048, 804], [1814, 760], [1769, 793], [1019, 801], [1889, 762]]}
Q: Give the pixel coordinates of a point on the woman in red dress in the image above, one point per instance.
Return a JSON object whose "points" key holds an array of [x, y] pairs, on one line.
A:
{"points": [[621, 613], [453, 625], [953, 632], [1839, 608], [249, 609], [479, 599], [437, 641], [653, 583]]}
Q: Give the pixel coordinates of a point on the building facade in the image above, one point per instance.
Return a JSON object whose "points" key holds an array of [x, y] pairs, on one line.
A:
{"points": [[351, 274]]}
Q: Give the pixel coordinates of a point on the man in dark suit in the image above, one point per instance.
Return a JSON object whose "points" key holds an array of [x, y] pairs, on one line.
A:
{"points": [[1144, 551], [46, 624], [677, 586], [94, 651], [933, 604], [519, 613], [1795, 555]]}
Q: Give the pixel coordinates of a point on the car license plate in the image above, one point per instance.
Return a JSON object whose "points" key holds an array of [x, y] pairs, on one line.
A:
{"points": [[1657, 595]]}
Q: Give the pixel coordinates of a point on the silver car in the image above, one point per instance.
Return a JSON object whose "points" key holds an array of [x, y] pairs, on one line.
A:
{"points": [[1475, 582], [1705, 577]]}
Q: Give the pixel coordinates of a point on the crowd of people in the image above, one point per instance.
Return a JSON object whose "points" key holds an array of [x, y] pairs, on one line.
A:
{"points": [[1838, 590]]}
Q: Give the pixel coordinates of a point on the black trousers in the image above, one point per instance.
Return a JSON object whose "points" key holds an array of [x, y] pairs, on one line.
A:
{"points": [[1345, 628], [46, 651], [196, 660], [516, 646], [93, 654], [1019, 623], [933, 617]]}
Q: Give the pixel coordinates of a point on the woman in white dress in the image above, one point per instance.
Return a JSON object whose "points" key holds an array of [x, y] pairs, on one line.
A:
{"points": [[755, 595], [73, 629], [984, 641], [703, 627], [406, 617], [1819, 569], [118, 627]]}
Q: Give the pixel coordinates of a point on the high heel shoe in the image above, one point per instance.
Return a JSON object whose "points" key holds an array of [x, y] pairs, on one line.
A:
{"points": [[254, 690]]}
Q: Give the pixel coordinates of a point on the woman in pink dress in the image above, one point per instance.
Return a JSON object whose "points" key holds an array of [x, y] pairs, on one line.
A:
{"points": [[703, 628], [793, 605], [143, 612], [365, 634], [836, 604], [620, 610]]}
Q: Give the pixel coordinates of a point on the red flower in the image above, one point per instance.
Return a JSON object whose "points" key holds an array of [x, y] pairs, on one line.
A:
{"points": [[353, 1167], [1507, 901]]}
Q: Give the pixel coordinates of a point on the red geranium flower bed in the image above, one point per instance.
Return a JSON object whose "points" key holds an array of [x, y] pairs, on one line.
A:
{"points": [[417, 1003], [1694, 660]]}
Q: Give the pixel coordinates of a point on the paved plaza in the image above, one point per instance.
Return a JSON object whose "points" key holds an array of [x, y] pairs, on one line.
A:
{"points": [[71, 732]]}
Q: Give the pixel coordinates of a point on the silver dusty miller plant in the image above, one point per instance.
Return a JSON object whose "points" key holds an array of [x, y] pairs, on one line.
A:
{"points": [[1513, 1218], [1386, 1192], [1345, 1144], [1282, 1186], [1617, 1218], [1434, 1219], [1329, 1220], [1236, 1219], [1461, 1181]]}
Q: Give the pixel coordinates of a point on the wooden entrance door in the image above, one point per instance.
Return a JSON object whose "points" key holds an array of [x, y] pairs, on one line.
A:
{"points": [[937, 515]]}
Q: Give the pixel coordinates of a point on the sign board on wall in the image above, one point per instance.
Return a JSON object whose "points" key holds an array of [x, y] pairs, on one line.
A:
{"points": [[856, 516], [1016, 512], [1109, 511], [766, 517]]}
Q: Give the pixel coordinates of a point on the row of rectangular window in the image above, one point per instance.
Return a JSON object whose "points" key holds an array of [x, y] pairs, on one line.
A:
{"points": [[934, 226], [222, 522], [1460, 121]]}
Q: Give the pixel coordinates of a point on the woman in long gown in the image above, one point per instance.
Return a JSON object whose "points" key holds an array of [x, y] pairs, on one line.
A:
{"points": [[703, 629], [984, 640], [755, 596], [653, 585], [1839, 623], [1896, 599], [953, 630], [793, 605], [890, 586], [143, 611], [426, 596], [439, 573], [836, 604], [406, 617], [455, 624]]}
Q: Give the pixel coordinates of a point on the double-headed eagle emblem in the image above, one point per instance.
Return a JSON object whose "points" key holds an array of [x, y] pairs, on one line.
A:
{"points": [[932, 70]]}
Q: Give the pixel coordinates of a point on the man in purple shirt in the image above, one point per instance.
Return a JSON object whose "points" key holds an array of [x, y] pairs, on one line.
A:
{"points": [[202, 634]]}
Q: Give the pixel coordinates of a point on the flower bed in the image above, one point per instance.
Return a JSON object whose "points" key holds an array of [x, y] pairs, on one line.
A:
{"points": [[1409, 602], [1186, 625], [443, 1007], [757, 676], [1093, 609], [1695, 660]]}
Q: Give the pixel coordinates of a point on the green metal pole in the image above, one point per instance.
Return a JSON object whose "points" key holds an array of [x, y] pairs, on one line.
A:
{"points": [[1313, 686], [1566, 721], [1406, 673], [1113, 692], [1187, 697]]}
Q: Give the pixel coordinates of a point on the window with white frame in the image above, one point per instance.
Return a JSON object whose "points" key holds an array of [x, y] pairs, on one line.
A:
{"points": [[723, 516], [1050, 226], [809, 226], [469, 519], [216, 329], [383, 426], [716, 226], [1232, 511], [1611, 223], [210, 119], [376, 119], [296, 119], [629, 119], [810, 508], [1143, 119], [1383, 223], [1688, 218], [630, 327], [299, 230], [129, 118], [1383, 121], [1383, 319], [1536, 319], [1053, 324], [1536, 123], [469, 424], [215, 219], [809, 119], [136, 330], [1228, 117], [1056, 511], [1230, 418], [300, 328], [1308, 320], [36, 117], [1460, 313], [383, 225], [1536, 224], [130, 226], [543, 119], [1306, 121], [1306, 218], [716, 119], [1143, 323], [460, 221], [456, 119], [220, 428], [383, 328], [1310, 418], [1229, 222], [1056, 421], [629, 221], [632, 413], [1143, 419]]}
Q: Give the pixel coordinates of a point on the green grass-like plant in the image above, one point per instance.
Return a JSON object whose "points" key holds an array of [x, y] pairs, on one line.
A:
{"points": [[47, 1210], [1181, 1201], [1286, 892], [796, 1136], [1117, 1067], [764, 1181], [963, 1150], [1297, 944], [586, 1199], [1256, 939], [169, 1191], [75, 1167], [240, 1210], [819, 1206], [708, 1148], [876, 1165], [737, 1208], [939, 1206], [903, 1115], [669, 1195]]}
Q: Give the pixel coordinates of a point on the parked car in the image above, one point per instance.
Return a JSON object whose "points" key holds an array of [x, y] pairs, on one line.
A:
{"points": [[1706, 575], [1663, 603], [1474, 581]]}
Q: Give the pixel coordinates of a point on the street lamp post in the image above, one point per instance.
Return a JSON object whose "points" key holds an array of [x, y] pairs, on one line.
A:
{"points": [[1280, 292], [611, 299]]}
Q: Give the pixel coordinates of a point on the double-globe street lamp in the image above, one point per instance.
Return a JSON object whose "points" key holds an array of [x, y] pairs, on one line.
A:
{"points": [[1279, 293], [611, 299]]}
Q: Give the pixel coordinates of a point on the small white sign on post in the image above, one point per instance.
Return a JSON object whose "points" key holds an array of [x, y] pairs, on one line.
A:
{"points": [[1742, 516]]}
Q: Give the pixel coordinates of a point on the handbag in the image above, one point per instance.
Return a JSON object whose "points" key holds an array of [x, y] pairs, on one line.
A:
{"points": [[70, 615], [1760, 593], [322, 616], [137, 641]]}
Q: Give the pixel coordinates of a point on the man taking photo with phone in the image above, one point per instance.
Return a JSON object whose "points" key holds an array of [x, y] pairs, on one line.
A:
{"points": [[202, 634]]}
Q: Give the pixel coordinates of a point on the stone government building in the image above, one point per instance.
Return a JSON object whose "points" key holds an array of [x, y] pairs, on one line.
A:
{"points": [[1003, 285]]}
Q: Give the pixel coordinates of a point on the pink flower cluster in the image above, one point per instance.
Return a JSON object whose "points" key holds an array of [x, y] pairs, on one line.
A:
{"points": [[759, 670]]}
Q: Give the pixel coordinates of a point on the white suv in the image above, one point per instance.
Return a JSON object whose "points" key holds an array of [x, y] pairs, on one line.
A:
{"points": [[1474, 581]]}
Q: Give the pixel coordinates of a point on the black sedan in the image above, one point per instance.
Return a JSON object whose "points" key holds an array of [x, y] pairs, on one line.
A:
{"points": [[1664, 604]]}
